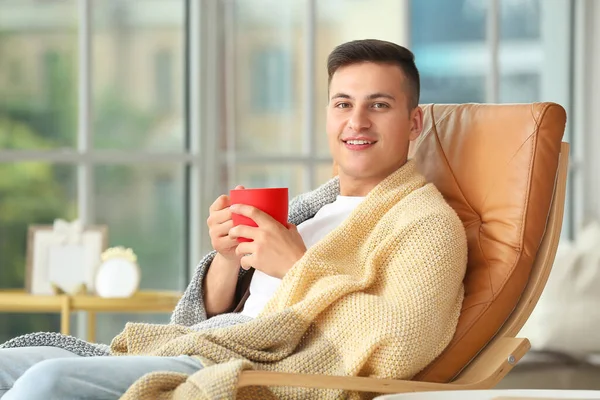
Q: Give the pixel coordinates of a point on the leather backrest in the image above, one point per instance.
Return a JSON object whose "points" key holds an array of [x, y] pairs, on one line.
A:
{"points": [[496, 166]]}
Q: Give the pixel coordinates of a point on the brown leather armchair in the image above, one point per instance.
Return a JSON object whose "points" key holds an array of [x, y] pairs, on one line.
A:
{"points": [[503, 168]]}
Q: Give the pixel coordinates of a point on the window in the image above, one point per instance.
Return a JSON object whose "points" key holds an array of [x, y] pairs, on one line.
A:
{"points": [[51, 78], [264, 99], [520, 88], [163, 70], [134, 48], [79, 136], [36, 114], [15, 73], [435, 22], [271, 83]]}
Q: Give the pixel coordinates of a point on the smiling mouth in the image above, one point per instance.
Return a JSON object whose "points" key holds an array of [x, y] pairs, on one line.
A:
{"points": [[359, 142]]}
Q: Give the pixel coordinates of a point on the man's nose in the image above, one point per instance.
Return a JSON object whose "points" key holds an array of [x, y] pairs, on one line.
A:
{"points": [[359, 120]]}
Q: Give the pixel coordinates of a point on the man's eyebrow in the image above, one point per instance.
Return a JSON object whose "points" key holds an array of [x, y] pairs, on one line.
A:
{"points": [[378, 95], [340, 96]]}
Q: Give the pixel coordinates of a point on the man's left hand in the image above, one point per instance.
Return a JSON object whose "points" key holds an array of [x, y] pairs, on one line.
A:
{"points": [[274, 248]]}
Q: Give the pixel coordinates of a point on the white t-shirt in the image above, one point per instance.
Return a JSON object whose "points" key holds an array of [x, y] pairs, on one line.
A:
{"points": [[329, 217]]}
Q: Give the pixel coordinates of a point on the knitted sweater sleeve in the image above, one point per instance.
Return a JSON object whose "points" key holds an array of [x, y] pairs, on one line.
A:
{"points": [[190, 309]]}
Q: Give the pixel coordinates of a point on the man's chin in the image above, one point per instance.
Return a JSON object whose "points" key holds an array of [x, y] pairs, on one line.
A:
{"points": [[366, 173], [359, 173]]}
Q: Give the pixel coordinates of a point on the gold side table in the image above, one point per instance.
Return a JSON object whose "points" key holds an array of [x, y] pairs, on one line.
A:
{"points": [[141, 302]]}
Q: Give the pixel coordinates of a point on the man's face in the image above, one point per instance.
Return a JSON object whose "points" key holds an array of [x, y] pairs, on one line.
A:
{"points": [[369, 124]]}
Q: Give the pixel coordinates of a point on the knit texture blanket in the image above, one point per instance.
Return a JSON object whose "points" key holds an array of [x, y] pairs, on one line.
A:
{"points": [[378, 296]]}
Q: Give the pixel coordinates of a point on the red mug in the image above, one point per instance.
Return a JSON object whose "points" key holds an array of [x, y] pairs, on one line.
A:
{"points": [[273, 201]]}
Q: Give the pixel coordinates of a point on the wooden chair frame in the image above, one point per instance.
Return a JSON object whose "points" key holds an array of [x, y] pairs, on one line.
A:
{"points": [[494, 361]]}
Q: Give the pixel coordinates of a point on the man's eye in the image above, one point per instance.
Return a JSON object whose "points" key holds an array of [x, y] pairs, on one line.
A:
{"points": [[342, 105], [380, 105]]}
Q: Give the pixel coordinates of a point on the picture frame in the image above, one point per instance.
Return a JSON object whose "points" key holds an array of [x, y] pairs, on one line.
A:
{"points": [[63, 257]]}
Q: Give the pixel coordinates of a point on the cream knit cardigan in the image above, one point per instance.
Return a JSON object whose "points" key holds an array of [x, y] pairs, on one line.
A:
{"points": [[378, 296]]}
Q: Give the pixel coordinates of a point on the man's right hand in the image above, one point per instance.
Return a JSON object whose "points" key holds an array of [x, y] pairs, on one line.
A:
{"points": [[219, 223], [222, 276]]}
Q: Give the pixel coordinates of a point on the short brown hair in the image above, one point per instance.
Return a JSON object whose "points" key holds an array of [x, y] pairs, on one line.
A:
{"points": [[378, 51]]}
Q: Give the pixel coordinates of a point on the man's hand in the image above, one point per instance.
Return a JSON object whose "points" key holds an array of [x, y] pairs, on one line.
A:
{"points": [[274, 248], [222, 276], [219, 223]]}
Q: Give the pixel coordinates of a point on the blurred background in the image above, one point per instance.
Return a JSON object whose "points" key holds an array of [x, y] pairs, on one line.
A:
{"points": [[138, 113]]}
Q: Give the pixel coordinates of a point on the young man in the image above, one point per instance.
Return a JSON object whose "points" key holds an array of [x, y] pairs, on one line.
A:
{"points": [[369, 282], [372, 115]]}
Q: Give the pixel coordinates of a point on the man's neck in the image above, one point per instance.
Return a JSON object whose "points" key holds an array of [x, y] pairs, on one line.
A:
{"points": [[355, 187], [360, 187]]}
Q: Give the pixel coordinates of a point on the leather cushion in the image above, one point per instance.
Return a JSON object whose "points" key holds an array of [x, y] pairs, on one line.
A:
{"points": [[496, 166]]}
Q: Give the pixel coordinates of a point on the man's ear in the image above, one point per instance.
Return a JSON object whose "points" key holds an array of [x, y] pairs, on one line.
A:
{"points": [[416, 123]]}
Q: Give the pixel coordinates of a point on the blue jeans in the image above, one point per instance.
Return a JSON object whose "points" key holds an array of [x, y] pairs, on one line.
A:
{"points": [[33, 373]]}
